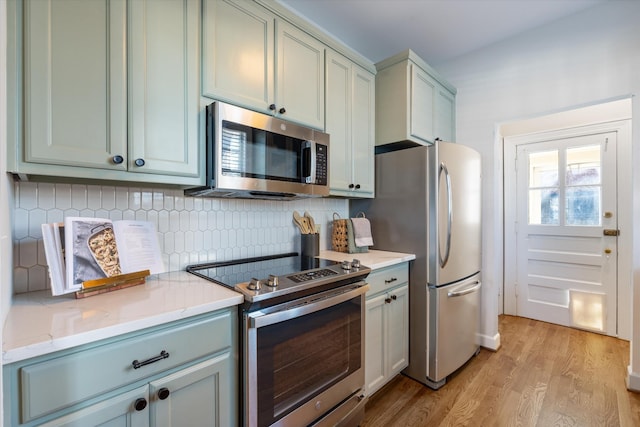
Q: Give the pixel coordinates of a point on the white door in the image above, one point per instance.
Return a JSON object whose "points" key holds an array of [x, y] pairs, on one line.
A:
{"points": [[566, 225]]}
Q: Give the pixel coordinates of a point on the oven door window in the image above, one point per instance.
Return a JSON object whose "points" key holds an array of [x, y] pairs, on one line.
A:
{"points": [[300, 358], [255, 153]]}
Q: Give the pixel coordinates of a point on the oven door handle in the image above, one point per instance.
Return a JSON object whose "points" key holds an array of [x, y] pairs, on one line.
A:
{"points": [[258, 319]]}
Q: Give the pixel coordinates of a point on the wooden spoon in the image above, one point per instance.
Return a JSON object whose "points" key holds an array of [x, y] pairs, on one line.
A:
{"points": [[301, 222], [312, 222]]}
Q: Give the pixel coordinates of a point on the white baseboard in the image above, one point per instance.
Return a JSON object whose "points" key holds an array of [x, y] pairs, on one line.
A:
{"points": [[489, 342], [633, 380]]}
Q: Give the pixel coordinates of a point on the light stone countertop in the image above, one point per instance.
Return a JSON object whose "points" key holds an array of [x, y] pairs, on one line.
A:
{"points": [[373, 259], [39, 323]]}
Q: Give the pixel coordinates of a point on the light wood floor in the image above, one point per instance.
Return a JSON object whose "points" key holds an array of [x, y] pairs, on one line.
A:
{"points": [[543, 375]]}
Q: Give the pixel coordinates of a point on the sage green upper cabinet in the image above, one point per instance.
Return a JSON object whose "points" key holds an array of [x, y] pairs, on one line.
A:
{"points": [[75, 87], [238, 53], [350, 122], [164, 90], [240, 45], [110, 90], [413, 104], [299, 76]]}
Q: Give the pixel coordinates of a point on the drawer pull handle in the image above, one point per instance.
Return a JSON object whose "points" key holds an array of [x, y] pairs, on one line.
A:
{"points": [[163, 355], [163, 393], [140, 404], [393, 279]]}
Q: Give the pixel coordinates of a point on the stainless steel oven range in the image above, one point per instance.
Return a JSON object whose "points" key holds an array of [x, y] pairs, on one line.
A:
{"points": [[302, 338]]}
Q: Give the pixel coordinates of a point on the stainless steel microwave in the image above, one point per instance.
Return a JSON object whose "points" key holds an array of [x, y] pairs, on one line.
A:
{"points": [[254, 155]]}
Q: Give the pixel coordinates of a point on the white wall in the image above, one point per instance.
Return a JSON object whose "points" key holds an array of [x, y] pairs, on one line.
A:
{"points": [[584, 59]]}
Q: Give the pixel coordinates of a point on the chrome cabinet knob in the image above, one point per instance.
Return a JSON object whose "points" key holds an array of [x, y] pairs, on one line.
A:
{"points": [[139, 162]]}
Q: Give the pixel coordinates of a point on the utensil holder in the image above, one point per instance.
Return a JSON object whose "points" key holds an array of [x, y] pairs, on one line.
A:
{"points": [[310, 245]]}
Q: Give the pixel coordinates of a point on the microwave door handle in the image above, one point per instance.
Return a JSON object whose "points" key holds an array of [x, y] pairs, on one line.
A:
{"points": [[311, 146]]}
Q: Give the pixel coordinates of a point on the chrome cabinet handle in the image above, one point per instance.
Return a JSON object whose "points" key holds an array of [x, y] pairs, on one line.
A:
{"points": [[163, 355]]}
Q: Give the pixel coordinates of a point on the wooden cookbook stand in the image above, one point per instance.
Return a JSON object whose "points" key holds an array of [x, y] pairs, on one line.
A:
{"points": [[109, 284]]}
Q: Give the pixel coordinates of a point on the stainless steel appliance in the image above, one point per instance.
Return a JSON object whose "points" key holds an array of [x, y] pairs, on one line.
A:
{"points": [[428, 203], [302, 338], [254, 155]]}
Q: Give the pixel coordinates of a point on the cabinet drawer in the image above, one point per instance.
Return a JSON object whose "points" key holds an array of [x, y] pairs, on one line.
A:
{"points": [[69, 379], [387, 278]]}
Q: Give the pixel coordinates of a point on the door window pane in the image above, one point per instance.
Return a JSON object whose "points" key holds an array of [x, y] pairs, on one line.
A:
{"points": [[543, 207], [583, 166], [543, 169], [583, 179], [583, 205], [543, 188]]}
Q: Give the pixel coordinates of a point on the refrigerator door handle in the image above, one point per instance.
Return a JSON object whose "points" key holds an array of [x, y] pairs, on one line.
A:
{"points": [[465, 291], [443, 169]]}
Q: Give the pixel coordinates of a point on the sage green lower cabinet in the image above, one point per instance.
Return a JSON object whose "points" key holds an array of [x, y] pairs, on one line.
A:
{"points": [[115, 411], [386, 325], [182, 373]]}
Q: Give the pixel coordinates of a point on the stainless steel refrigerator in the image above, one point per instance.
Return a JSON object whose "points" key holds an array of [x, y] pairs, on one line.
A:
{"points": [[428, 203]]}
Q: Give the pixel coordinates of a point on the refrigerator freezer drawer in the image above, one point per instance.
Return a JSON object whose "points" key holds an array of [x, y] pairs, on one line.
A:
{"points": [[454, 321]]}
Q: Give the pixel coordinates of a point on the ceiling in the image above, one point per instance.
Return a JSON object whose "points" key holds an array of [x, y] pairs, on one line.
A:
{"points": [[437, 30]]}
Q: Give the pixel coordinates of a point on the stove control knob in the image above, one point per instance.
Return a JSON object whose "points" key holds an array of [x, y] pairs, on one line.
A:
{"points": [[254, 284], [346, 265], [273, 281], [355, 263]]}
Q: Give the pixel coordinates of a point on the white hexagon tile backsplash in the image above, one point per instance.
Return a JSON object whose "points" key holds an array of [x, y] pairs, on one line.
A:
{"points": [[190, 230]]}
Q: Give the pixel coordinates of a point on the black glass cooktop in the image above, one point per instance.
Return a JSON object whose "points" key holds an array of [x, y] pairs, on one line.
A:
{"points": [[279, 276], [230, 273]]}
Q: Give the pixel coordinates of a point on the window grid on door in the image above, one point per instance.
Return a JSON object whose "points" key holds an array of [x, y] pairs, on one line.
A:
{"points": [[574, 200]]}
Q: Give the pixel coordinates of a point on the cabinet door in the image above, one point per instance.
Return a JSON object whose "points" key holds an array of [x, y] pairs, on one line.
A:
{"points": [[299, 76], [338, 125], [363, 131], [422, 93], [375, 344], [117, 411], [164, 86], [75, 82], [238, 51], [398, 330], [445, 115], [204, 394]]}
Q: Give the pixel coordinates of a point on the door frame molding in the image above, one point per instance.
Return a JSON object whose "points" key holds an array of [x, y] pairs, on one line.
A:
{"points": [[624, 212]]}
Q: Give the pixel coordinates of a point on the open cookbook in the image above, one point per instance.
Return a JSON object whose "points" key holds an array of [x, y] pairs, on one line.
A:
{"points": [[87, 249]]}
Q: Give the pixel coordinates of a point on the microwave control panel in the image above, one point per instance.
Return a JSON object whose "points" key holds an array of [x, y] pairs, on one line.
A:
{"points": [[321, 164]]}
